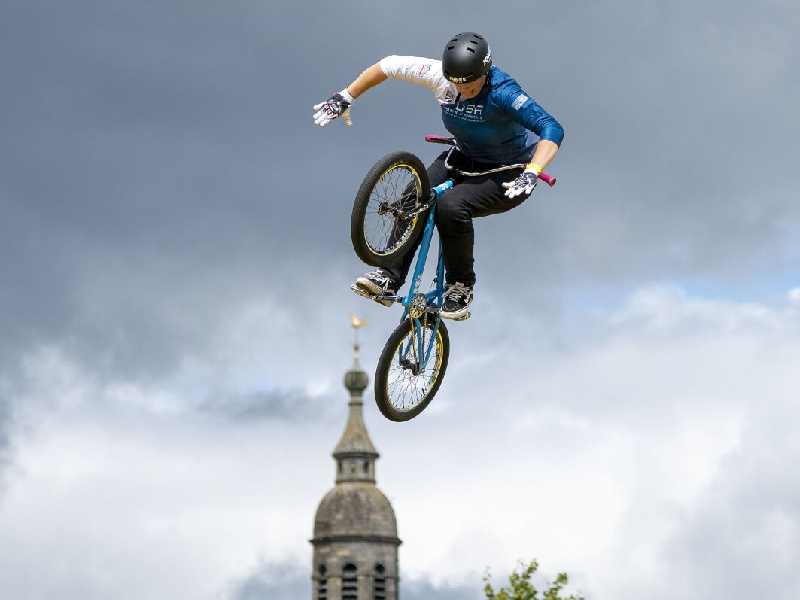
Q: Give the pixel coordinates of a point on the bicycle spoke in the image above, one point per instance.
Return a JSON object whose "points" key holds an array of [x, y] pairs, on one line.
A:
{"points": [[407, 389], [384, 229]]}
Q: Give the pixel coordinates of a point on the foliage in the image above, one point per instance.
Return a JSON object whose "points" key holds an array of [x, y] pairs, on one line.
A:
{"points": [[521, 588]]}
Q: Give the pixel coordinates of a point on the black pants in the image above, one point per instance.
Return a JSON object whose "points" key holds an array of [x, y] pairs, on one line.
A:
{"points": [[471, 197]]}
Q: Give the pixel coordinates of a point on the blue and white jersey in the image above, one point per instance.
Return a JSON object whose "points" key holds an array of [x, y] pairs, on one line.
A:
{"points": [[502, 124]]}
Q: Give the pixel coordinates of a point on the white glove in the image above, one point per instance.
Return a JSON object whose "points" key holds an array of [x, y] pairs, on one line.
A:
{"points": [[337, 105], [523, 184]]}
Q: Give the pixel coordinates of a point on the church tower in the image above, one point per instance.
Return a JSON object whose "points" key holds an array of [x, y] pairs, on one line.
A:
{"points": [[355, 531]]}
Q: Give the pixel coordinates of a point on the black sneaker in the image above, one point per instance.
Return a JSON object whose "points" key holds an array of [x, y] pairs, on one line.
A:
{"points": [[457, 299], [378, 283]]}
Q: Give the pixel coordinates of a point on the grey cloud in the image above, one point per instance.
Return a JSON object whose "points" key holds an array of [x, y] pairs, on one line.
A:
{"points": [[150, 175], [163, 158], [4, 429], [658, 100], [272, 581], [288, 405], [425, 589], [742, 538]]}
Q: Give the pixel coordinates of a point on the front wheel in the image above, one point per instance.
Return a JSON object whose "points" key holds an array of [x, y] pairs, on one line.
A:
{"points": [[405, 382], [386, 219]]}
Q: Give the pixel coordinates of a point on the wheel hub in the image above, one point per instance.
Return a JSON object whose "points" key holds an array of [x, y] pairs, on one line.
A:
{"points": [[410, 366]]}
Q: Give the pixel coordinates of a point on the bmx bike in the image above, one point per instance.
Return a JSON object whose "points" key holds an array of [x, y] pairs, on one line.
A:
{"points": [[393, 207]]}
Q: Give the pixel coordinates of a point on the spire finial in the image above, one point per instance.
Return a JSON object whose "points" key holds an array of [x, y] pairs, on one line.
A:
{"points": [[356, 379], [356, 324]]}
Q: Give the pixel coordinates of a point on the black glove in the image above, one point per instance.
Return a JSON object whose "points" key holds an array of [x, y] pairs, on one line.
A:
{"points": [[333, 107], [523, 184]]}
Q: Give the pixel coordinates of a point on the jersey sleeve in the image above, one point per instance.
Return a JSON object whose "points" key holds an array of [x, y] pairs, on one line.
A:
{"points": [[524, 110], [422, 71]]}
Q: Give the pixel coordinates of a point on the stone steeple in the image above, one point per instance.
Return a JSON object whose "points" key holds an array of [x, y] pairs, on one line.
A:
{"points": [[354, 454], [355, 530]]}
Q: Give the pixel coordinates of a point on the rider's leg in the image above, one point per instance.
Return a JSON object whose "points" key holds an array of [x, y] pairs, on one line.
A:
{"points": [[471, 198]]}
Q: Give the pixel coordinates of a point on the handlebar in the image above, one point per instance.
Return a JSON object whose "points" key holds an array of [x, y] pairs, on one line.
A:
{"points": [[449, 141]]}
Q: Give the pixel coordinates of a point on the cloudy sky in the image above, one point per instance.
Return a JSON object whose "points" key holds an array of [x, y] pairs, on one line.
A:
{"points": [[174, 272]]}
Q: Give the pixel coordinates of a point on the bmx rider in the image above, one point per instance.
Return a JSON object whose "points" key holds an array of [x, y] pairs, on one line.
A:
{"points": [[494, 123]]}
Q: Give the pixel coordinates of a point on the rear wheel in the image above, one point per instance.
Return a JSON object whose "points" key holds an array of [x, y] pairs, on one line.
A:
{"points": [[386, 220], [404, 383]]}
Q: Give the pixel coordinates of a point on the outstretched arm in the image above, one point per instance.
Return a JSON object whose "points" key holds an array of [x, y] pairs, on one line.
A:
{"points": [[371, 77], [414, 69]]}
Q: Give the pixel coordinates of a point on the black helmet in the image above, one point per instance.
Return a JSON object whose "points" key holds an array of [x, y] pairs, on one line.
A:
{"points": [[466, 58]]}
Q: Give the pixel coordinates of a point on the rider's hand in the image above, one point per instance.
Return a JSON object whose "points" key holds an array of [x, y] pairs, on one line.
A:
{"points": [[337, 105], [523, 184]]}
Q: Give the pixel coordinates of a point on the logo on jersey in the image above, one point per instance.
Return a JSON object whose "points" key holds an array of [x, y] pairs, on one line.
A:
{"points": [[423, 69], [519, 101], [471, 109], [465, 112]]}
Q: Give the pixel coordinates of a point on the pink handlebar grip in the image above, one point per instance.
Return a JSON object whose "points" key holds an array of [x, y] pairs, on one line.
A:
{"points": [[439, 139], [551, 181]]}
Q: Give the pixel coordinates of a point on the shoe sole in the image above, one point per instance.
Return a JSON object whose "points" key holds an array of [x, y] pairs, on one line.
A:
{"points": [[461, 315], [371, 287], [366, 289]]}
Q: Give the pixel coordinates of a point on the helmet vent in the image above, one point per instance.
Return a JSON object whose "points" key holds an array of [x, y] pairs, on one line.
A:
{"points": [[471, 50]]}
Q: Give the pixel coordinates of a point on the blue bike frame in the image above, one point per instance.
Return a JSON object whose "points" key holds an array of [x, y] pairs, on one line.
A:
{"points": [[434, 298]]}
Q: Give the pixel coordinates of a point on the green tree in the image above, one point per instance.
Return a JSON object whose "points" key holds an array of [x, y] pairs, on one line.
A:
{"points": [[521, 588]]}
